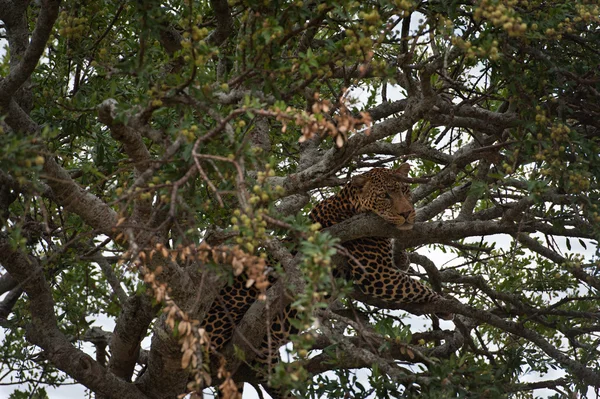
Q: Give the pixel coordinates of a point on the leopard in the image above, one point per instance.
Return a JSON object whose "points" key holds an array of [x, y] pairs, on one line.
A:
{"points": [[385, 192], [371, 267]]}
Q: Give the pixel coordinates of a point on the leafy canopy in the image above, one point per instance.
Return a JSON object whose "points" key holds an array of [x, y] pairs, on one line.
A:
{"points": [[152, 152]]}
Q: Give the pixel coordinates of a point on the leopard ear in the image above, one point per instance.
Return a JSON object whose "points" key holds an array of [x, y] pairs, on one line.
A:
{"points": [[359, 181], [402, 170]]}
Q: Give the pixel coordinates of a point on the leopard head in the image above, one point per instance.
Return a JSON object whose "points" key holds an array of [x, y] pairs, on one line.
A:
{"points": [[386, 193]]}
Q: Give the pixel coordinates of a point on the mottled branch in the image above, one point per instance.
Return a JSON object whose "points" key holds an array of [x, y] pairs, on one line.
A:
{"points": [[42, 329], [132, 141], [78, 200], [131, 327], [27, 64]]}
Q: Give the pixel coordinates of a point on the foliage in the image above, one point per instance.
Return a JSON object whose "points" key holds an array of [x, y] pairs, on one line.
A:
{"points": [[151, 153]]}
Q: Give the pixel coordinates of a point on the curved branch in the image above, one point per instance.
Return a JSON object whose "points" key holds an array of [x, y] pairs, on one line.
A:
{"points": [[585, 374], [43, 329], [417, 149], [28, 63], [111, 278], [334, 159], [9, 301], [132, 141], [7, 283]]}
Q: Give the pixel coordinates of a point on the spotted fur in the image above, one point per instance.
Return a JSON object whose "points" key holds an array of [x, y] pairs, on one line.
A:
{"points": [[381, 191], [386, 193]]}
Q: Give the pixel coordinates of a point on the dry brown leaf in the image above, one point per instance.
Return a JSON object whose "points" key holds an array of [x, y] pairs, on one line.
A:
{"points": [[186, 358]]}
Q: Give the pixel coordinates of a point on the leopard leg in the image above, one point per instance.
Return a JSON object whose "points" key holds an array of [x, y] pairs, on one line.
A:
{"points": [[268, 353], [376, 275], [228, 310]]}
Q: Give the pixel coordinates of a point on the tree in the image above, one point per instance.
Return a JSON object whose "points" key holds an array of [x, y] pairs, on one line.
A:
{"points": [[150, 151]]}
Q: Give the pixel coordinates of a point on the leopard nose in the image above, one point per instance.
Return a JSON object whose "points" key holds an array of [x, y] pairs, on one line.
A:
{"points": [[405, 215]]}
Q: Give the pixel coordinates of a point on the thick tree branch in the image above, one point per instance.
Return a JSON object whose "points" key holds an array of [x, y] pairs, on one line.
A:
{"points": [[14, 14], [131, 327], [164, 376], [18, 75], [42, 329], [224, 22], [78, 200], [134, 147], [260, 134], [65, 190], [443, 202], [7, 283], [132, 141], [9, 301], [368, 225], [334, 159], [112, 279], [386, 109]]}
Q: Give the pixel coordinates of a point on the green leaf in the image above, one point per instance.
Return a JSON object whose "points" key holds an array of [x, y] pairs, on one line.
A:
{"points": [[478, 188]]}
